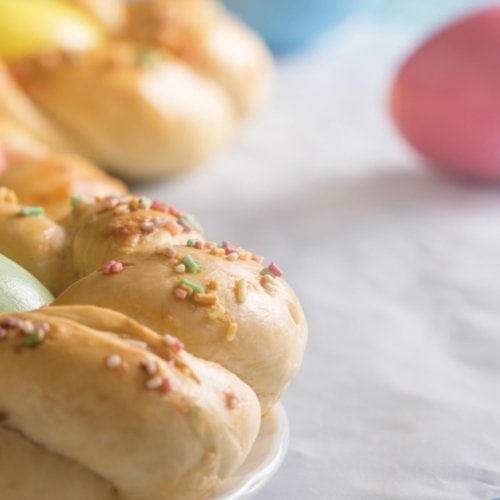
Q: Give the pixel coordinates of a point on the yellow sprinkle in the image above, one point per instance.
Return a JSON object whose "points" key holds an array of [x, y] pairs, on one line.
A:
{"points": [[212, 285], [205, 299], [241, 291], [231, 330], [215, 314]]}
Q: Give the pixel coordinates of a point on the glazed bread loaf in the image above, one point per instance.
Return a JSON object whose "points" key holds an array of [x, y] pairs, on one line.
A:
{"points": [[136, 111], [147, 260], [127, 413], [53, 181], [207, 37], [96, 231], [235, 312]]}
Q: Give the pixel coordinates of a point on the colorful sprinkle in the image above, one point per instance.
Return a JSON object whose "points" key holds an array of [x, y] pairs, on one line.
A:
{"points": [[75, 200], [241, 291], [159, 206], [174, 343], [275, 270], [231, 330], [170, 252], [194, 286], [191, 264], [232, 256], [232, 401], [185, 225], [180, 268], [205, 299], [216, 313], [154, 383], [192, 221], [113, 361], [148, 226], [149, 366], [112, 267], [191, 242], [181, 293], [31, 211], [34, 339], [166, 386], [173, 228]]}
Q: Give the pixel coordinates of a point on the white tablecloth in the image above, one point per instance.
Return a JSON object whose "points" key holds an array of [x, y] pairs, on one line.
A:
{"points": [[398, 270]]}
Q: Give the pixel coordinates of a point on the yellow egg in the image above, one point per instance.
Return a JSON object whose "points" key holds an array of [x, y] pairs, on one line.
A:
{"points": [[30, 26]]}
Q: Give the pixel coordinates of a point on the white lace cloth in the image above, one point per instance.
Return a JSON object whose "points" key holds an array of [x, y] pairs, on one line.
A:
{"points": [[397, 268]]}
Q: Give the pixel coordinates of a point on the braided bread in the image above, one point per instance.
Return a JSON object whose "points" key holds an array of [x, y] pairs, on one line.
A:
{"points": [[220, 302], [128, 414], [52, 181], [203, 34], [139, 113]]}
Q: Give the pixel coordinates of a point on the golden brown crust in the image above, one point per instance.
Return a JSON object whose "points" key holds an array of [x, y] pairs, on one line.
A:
{"points": [[96, 231], [27, 467], [244, 319], [52, 181], [86, 390], [204, 35], [138, 112]]}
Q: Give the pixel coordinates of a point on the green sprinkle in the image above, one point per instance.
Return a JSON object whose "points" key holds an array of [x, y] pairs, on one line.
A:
{"points": [[191, 242], [191, 265], [147, 58], [191, 220], [31, 211], [34, 339], [194, 286], [75, 200]]}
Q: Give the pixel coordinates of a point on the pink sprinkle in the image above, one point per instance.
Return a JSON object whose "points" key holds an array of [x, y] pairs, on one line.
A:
{"points": [[275, 270], [173, 211], [257, 258], [232, 400], [3, 333], [174, 343], [112, 267], [158, 206], [230, 249], [185, 225], [199, 245], [170, 252], [166, 386], [180, 293]]}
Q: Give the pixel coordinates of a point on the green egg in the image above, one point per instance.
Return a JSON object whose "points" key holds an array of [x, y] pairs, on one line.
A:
{"points": [[19, 290]]}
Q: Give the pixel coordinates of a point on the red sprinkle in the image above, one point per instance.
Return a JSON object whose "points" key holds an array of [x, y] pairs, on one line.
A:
{"points": [[174, 343], [166, 386], [275, 269], [159, 206], [112, 267], [180, 293], [199, 245], [230, 249]]}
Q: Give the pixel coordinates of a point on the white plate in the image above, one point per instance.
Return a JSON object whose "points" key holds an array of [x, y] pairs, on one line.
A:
{"points": [[264, 460]]}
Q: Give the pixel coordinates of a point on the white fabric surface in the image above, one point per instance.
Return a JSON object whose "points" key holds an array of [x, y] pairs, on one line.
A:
{"points": [[398, 270]]}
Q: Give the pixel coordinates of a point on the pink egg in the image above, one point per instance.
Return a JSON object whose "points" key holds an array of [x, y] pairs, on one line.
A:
{"points": [[446, 97]]}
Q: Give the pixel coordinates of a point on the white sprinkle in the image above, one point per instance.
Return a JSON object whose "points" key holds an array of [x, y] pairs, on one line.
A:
{"points": [[154, 383], [180, 268], [28, 327], [232, 256], [137, 343], [148, 226], [150, 367], [113, 361]]}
